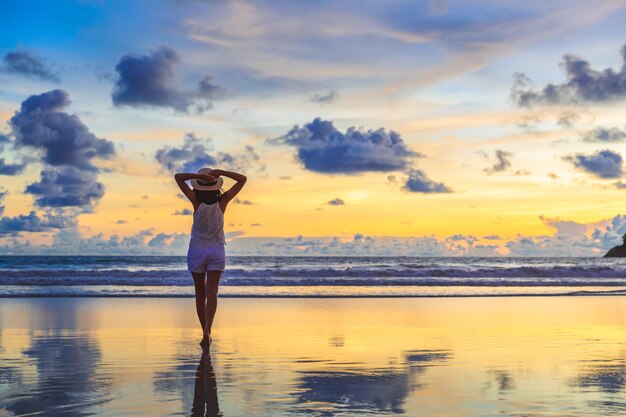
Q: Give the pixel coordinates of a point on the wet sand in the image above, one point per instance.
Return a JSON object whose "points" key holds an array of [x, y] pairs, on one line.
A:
{"points": [[527, 356]]}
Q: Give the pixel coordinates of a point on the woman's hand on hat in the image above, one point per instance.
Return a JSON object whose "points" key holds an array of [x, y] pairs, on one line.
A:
{"points": [[207, 177], [216, 173]]}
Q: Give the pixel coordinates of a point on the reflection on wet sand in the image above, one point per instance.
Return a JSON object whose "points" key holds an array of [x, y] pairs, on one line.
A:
{"points": [[205, 402], [280, 357], [193, 382], [66, 382], [608, 377], [371, 391]]}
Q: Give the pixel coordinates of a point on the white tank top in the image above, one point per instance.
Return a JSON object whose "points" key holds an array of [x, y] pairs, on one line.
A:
{"points": [[208, 226]]}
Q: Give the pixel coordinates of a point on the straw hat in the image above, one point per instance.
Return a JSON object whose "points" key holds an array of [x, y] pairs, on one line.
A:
{"points": [[206, 186]]}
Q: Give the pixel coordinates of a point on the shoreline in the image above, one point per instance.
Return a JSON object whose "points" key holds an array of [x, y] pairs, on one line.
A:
{"points": [[573, 295]]}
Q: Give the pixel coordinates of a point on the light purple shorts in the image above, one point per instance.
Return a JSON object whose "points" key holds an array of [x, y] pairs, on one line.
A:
{"points": [[202, 259]]}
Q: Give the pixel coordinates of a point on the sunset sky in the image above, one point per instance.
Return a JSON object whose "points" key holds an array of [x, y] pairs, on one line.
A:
{"points": [[364, 127]]}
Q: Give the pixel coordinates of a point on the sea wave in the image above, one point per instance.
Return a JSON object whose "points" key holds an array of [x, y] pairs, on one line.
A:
{"points": [[312, 275]]}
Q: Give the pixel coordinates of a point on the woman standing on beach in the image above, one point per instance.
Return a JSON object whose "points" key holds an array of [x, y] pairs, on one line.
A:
{"points": [[206, 257]]}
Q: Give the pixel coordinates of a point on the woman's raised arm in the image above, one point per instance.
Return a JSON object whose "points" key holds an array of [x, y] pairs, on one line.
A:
{"points": [[181, 179], [234, 190]]}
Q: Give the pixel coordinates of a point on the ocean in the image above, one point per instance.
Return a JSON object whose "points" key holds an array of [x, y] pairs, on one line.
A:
{"points": [[166, 276]]}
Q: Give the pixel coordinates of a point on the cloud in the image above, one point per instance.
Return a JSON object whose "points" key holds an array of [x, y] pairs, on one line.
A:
{"points": [[502, 162], [567, 227], [602, 164], [67, 149], [148, 81], [327, 98], [583, 85], [418, 182], [322, 148], [29, 65], [66, 187], [183, 212], [62, 137], [196, 153], [569, 239], [34, 223], [336, 202], [604, 134]]}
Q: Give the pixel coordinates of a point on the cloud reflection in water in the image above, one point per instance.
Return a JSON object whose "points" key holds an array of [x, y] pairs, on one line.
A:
{"points": [[373, 391]]}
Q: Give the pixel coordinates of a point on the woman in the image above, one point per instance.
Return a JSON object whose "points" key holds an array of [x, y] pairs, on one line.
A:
{"points": [[206, 256]]}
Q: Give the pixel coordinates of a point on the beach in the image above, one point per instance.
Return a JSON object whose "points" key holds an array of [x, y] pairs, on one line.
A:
{"points": [[474, 356]]}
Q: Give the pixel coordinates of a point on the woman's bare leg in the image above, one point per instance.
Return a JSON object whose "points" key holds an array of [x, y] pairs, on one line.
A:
{"points": [[199, 283], [212, 282]]}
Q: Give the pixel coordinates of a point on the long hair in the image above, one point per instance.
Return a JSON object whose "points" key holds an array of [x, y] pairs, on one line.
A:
{"points": [[208, 197]]}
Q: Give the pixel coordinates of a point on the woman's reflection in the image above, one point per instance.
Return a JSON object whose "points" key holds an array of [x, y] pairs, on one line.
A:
{"points": [[205, 392]]}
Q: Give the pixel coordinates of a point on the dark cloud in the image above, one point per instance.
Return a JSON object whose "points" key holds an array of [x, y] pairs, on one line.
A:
{"points": [[418, 182], [327, 98], [66, 187], [190, 157], [602, 164], [29, 65], [501, 163], [67, 150], [63, 138], [33, 223], [583, 85], [322, 148], [183, 212], [148, 81], [196, 153], [336, 202], [604, 134]]}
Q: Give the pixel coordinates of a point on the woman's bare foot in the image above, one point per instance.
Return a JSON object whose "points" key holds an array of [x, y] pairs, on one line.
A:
{"points": [[206, 340]]}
